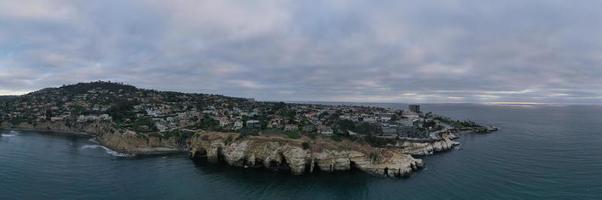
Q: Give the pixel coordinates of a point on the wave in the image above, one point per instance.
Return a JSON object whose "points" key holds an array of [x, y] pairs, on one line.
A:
{"points": [[107, 150], [10, 134], [93, 140]]}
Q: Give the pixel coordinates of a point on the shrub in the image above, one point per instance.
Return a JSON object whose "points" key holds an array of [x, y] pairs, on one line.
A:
{"points": [[228, 140], [305, 145], [337, 138], [248, 132], [293, 135]]}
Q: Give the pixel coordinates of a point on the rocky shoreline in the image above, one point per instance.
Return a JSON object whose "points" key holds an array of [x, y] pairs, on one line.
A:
{"points": [[291, 155], [126, 142], [415, 148], [299, 156]]}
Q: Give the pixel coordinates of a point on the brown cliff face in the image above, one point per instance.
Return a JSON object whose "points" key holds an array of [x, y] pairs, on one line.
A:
{"points": [[289, 154], [105, 133], [133, 143]]}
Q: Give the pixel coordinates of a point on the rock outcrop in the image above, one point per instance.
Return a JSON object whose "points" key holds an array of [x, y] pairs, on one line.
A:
{"points": [[133, 143], [423, 148], [289, 154]]}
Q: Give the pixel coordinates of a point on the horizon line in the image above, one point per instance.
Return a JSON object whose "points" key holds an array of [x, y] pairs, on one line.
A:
{"points": [[5, 93]]}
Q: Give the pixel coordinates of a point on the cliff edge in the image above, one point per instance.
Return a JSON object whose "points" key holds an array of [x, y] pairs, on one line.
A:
{"points": [[301, 156]]}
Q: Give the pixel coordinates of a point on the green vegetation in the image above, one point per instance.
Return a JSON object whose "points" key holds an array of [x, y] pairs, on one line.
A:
{"points": [[467, 124], [377, 142], [337, 138], [342, 126], [122, 110], [228, 140], [305, 145], [144, 124], [293, 134], [84, 87], [345, 125], [368, 128], [18, 120], [208, 123], [248, 132], [429, 123]]}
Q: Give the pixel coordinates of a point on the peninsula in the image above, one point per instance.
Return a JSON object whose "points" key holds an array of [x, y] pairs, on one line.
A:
{"points": [[295, 137]]}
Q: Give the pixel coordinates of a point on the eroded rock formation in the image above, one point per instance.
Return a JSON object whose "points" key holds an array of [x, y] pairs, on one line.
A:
{"points": [[422, 148], [282, 153]]}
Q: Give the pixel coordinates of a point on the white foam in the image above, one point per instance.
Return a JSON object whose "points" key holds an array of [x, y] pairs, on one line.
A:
{"points": [[109, 151], [10, 134], [91, 146]]}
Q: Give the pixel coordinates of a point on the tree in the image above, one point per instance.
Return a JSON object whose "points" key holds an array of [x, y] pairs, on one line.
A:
{"points": [[122, 110], [305, 145], [208, 123], [345, 125], [368, 128]]}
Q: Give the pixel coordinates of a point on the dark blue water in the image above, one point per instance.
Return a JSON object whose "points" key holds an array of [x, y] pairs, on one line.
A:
{"points": [[541, 152]]}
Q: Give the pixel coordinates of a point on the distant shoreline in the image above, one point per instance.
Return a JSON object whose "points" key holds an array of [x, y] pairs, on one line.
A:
{"points": [[149, 153]]}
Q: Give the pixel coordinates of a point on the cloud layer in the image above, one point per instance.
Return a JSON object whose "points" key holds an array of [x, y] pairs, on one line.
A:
{"points": [[379, 51]]}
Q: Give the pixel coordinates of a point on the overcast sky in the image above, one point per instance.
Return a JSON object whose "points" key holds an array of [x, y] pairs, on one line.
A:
{"points": [[324, 50]]}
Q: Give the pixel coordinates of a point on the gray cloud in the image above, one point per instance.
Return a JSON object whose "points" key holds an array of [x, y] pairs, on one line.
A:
{"points": [[386, 51]]}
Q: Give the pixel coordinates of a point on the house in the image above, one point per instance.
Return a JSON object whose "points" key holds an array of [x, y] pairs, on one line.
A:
{"points": [[309, 128], [275, 123], [253, 124], [237, 125], [369, 119], [325, 130], [54, 119], [389, 131], [351, 133], [88, 118], [405, 122], [411, 115], [105, 117], [290, 127], [223, 121]]}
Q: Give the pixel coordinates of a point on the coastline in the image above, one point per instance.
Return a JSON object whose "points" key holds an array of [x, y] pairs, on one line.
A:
{"points": [[239, 131], [276, 154], [49, 132], [142, 152], [272, 153]]}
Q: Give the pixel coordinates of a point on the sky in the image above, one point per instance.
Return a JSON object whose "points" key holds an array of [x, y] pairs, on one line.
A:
{"points": [[407, 51]]}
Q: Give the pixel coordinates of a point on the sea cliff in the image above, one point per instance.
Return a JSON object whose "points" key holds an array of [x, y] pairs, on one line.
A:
{"points": [[294, 156], [276, 153], [423, 148]]}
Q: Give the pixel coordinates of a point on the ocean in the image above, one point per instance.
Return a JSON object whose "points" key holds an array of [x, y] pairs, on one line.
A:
{"points": [[540, 152]]}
